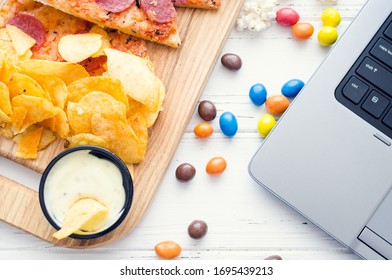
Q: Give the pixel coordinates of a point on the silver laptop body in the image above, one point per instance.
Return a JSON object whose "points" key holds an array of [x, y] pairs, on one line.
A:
{"points": [[325, 160]]}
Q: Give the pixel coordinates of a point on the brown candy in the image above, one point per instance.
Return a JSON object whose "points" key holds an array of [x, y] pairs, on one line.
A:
{"points": [[197, 229], [231, 61], [274, 257], [207, 110], [185, 172]]}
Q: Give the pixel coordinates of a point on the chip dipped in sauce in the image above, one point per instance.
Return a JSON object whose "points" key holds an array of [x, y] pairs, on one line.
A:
{"points": [[90, 174]]}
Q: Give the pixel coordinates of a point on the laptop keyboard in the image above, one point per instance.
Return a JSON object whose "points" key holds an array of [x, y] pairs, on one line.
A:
{"points": [[366, 89]]}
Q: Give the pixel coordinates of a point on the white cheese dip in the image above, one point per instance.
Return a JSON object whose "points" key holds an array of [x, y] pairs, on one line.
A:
{"points": [[83, 175]]}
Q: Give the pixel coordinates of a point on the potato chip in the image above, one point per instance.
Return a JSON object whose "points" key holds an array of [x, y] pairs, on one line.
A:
{"points": [[78, 47], [37, 109], [23, 84], [78, 89], [139, 126], [18, 116], [58, 123], [4, 118], [79, 118], [66, 71], [6, 46], [55, 88], [84, 212], [21, 41], [27, 55], [5, 103], [28, 142], [105, 40], [47, 137], [136, 76], [86, 139], [6, 132], [8, 68]]}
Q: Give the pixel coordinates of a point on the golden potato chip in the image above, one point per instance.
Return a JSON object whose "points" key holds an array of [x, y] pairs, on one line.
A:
{"points": [[6, 46], [26, 56], [119, 136], [18, 116], [21, 41], [78, 47], [47, 137], [85, 211], [4, 118], [78, 89], [136, 76], [6, 132], [23, 84], [79, 118], [55, 88], [66, 71], [37, 109], [105, 39], [86, 139], [28, 142], [8, 69], [139, 126], [58, 123], [5, 103]]}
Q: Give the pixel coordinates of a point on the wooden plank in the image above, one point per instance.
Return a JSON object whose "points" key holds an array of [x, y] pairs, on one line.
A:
{"points": [[184, 72]]}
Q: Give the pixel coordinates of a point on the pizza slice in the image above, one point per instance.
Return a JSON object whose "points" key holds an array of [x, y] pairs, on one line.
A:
{"points": [[201, 4], [152, 20]]}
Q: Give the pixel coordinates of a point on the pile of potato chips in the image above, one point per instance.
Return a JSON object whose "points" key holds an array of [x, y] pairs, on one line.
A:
{"points": [[41, 100]]}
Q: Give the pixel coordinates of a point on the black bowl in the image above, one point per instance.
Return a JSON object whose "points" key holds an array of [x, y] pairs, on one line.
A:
{"points": [[103, 154]]}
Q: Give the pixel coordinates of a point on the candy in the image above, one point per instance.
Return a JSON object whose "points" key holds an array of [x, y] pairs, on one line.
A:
{"points": [[231, 61], [292, 87], [167, 249], [258, 94], [265, 124], [216, 166], [206, 110], [277, 104], [331, 17], [287, 16], [302, 30], [197, 229], [185, 172], [327, 36], [274, 257], [228, 124], [203, 130]]}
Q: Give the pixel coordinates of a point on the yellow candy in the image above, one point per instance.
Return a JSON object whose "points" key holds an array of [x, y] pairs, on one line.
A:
{"points": [[265, 124], [327, 36], [330, 17]]}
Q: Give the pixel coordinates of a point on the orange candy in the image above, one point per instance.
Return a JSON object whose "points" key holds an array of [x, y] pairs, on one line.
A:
{"points": [[302, 30], [203, 130], [277, 104], [167, 250], [216, 166]]}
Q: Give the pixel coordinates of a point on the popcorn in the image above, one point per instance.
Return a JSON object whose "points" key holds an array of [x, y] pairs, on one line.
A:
{"points": [[256, 15]]}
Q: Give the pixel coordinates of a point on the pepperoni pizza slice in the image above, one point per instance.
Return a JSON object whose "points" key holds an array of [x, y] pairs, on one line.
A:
{"points": [[153, 20], [201, 4]]}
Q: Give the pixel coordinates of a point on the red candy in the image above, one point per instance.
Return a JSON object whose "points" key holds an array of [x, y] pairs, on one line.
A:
{"points": [[287, 17]]}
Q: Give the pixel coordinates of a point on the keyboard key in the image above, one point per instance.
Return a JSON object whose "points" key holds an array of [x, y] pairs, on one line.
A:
{"points": [[376, 74], [375, 104], [388, 119], [388, 32], [383, 51], [355, 89]]}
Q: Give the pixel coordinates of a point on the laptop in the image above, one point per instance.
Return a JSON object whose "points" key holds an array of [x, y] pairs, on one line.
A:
{"points": [[334, 143]]}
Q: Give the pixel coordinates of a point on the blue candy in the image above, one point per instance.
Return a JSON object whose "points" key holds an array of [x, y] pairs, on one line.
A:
{"points": [[228, 124], [292, 88], [258, 94]]}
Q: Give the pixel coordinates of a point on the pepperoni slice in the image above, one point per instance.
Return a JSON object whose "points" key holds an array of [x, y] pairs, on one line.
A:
{"points": [[31, 26], [115, 6], [161, 11], [93, 63]]}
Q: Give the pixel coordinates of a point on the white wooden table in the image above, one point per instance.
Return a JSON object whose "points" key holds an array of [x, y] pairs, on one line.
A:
{"points": [[245, 221]]}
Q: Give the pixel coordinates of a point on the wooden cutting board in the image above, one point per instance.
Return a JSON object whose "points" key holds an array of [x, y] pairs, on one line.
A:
{"points": [[184, 72]]}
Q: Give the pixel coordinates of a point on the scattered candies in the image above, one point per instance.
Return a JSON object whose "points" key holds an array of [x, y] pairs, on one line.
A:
{"points": [[197, 229], [302, 30], [292, 87], [274, 257], [258, 94], [167, 249], [228, 124], [216, 166], [277, 104], [206, 110], [203, 130], [185, 172], [331, 17], [327, 36], [231, 61], [265, 124], [287, 16]]}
